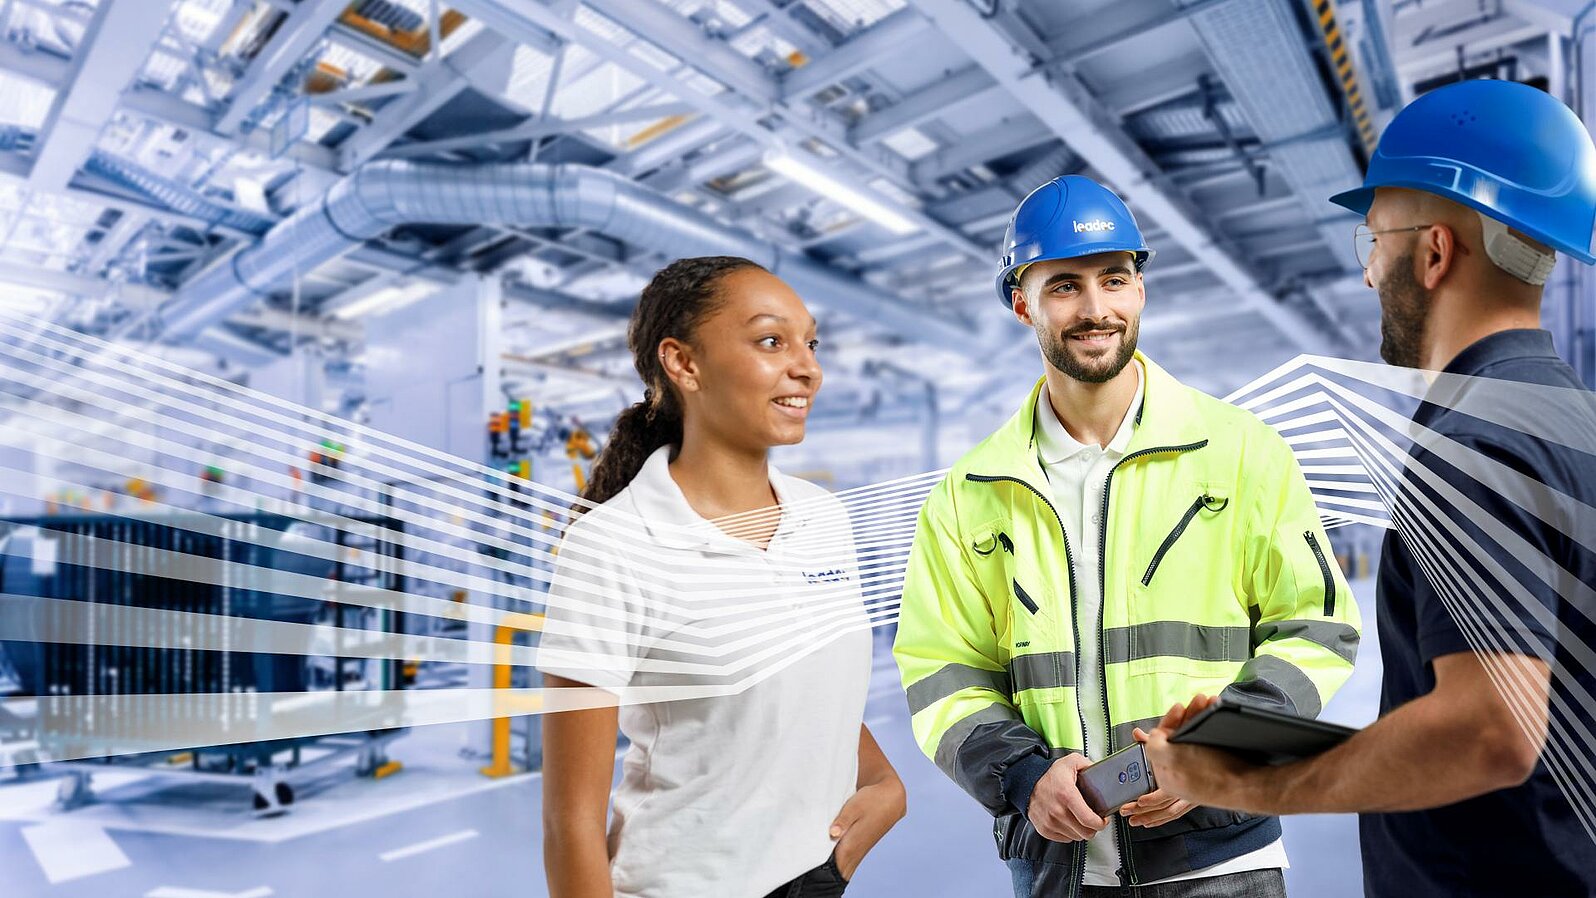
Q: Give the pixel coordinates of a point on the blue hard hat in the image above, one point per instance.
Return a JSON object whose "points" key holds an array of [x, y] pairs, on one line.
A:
{"points": [[1068, 217], [1502, 148]]}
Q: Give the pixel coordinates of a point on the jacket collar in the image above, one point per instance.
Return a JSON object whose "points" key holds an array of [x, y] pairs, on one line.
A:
{"points": [[1168, 417]]}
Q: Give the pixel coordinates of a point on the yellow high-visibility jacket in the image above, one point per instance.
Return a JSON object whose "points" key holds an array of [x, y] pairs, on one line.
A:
{"points": [[1216, 579]]}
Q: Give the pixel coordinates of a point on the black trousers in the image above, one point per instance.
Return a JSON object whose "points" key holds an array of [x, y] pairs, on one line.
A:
{"points": [[825, 881]]}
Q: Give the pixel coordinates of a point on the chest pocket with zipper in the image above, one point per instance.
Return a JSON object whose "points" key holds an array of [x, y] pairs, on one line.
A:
{"points": [[1209, 503], [1188, 573], [1024, 611], [1001, 574]]}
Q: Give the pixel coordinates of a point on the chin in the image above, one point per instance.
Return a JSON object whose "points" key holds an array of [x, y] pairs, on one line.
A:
{"points": [[788, 437]]}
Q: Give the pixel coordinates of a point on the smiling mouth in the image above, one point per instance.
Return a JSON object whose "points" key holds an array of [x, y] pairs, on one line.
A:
{"points": [[1093, 338], [793, 403]]}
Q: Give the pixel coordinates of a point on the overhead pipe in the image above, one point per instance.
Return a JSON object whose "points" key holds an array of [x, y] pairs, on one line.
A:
{"points": [[382, 195]]}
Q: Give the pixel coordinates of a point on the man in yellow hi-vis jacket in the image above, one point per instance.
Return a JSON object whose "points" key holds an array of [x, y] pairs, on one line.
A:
{"points": [[1122, 543]]}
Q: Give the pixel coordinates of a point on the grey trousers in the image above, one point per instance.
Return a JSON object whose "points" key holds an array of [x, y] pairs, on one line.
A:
{"points": [[1033, 879]]}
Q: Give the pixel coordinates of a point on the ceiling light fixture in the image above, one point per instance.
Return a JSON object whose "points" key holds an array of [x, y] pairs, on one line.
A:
{"points": [[861, 201]]}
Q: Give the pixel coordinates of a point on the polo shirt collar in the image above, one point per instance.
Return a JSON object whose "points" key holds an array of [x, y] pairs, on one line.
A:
{"points": [[1501, 346], [1053, 441], [672, 522]]}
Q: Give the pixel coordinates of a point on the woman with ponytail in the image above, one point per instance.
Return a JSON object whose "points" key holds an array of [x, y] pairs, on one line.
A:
{"points": [[709, 607]]}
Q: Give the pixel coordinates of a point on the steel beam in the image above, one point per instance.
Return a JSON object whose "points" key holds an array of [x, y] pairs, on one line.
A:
{"points": [[928, 102], [438, 84], [115, 45], [856, 54], [294, 38]]}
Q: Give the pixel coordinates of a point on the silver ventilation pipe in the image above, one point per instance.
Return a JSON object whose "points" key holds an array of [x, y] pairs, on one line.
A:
{"points": [[382, 195]]}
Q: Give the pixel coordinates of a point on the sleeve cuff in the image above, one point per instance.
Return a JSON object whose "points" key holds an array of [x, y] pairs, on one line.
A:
{"points": [[1020, 779]]}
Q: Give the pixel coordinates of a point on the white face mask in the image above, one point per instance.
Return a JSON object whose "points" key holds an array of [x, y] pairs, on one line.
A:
{"points": [[1515, 256]]}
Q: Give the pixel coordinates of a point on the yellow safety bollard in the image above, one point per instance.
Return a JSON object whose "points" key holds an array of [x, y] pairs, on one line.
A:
{"points": [[503, 638]]}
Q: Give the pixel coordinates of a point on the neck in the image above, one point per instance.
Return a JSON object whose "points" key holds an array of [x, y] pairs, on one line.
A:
{"points": [[1091, 412], [718, 478], [1458, 322]]}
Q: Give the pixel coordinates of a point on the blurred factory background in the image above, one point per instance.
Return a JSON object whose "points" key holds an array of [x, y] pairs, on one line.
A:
{"points": [[430, 218]]}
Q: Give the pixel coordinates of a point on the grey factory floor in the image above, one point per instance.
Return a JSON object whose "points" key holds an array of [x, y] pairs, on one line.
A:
{"points": [[439, 828]]}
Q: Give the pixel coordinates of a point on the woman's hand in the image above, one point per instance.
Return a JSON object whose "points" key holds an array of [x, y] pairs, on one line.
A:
{"points": [[864, 819]]}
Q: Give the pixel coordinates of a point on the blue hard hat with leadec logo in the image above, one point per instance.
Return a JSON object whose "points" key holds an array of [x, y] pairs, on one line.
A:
{"points": [[1068, 217]]}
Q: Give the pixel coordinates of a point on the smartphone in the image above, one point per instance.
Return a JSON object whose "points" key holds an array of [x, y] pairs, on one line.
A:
{"points": [[1118, 779]]}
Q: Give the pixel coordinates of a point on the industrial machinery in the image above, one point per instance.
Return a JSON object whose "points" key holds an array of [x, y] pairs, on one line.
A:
{"points": [[139, 561]]}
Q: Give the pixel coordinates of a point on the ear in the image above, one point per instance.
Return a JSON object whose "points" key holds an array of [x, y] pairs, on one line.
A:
{"points": [[680, 365], [1437, 256], [1022, 306]]}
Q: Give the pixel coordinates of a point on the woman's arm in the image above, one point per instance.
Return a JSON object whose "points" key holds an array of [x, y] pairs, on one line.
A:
{"points": [[578, 765], [878, 803]]}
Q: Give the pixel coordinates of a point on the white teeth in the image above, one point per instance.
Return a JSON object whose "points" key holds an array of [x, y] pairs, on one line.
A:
{"points": [[793, 401]]}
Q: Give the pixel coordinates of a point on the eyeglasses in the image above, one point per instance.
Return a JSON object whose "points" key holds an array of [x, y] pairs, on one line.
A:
{"points": [[1363, 240]]}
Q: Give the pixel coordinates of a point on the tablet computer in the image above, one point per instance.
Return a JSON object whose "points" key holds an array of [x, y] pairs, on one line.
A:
{"points": [[1259, 734]]}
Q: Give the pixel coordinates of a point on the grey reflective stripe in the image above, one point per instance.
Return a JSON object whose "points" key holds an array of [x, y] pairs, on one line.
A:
{"points": [[1055, 753], [1267, 681], [1042, 670], [1123, 732], [1178, 639], [952, 678], [1337, 637], [953, 737]]}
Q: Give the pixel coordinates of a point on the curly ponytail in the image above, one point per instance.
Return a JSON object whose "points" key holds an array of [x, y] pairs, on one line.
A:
{"points": [[681, 295]]}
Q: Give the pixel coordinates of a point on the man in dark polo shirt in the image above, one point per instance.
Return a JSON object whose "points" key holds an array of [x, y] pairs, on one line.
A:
{"points": [[1487, 590]]}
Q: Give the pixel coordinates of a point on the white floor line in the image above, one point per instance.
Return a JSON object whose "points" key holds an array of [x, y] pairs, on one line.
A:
{"points": [[463, 835], [283, 829], [175, 892], [68, 850]]}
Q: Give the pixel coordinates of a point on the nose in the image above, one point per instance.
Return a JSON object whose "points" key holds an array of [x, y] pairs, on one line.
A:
{"points": [[1091, 306], [1367, 280], [805, 366]]}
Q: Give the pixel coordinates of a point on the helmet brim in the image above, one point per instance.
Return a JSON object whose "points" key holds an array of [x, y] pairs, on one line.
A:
{"points": [[1361, 199], [1006, 281], [1358, 200]]}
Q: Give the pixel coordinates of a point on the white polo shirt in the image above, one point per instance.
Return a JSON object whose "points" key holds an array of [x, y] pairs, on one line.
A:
{"points": [[1076, 474], [752, 667]]}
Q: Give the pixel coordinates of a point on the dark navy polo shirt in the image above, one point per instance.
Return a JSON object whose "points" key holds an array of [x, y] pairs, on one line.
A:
{"points": [[1524, 840]]}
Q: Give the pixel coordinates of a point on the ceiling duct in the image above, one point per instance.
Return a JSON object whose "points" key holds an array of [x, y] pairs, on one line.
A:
{"points": [[382, 195]]}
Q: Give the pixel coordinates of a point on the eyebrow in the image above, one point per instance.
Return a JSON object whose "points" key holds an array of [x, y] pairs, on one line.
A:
{"points": [[780, 319], [1072, 276]]}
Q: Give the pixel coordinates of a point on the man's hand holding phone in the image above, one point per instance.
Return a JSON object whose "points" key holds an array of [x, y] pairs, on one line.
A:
{"points": [[1057, 809]]}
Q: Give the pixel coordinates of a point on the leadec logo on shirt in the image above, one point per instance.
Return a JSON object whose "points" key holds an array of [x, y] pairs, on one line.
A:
{"points": [[831, 575]]}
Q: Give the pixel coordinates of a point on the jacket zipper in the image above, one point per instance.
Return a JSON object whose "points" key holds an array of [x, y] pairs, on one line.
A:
{"points": [[1121, 828], [1169, 541], [1069, 564], [1026, 600], [1324, 569]]}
